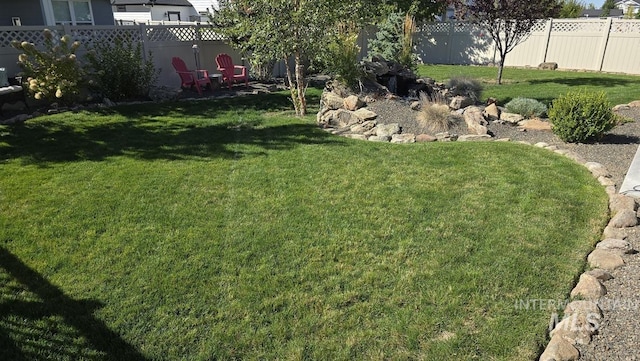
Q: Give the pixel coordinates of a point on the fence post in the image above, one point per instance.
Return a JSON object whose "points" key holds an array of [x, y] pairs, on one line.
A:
{"points": [[606, 31], [450, 41], [145, 41], [547, 31]]}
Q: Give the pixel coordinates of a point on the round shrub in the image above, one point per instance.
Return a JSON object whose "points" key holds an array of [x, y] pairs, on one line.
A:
{"points": [[465, 86], [581, 116], [526, 107]]}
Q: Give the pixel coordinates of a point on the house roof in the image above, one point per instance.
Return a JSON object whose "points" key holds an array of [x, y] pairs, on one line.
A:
{"points": [[152, 2], [199, 5], [597, 13], [631, 2]]}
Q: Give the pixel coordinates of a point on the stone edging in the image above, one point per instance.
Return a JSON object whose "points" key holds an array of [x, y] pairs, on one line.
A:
{"points": [[582, 317]]}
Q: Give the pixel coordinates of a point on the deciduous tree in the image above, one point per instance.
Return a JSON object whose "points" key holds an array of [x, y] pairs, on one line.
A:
{"points": [[509, 22]]}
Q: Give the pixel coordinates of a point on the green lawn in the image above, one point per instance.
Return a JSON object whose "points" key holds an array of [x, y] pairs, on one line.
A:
{"points": [[543, 85], [227, 229]]}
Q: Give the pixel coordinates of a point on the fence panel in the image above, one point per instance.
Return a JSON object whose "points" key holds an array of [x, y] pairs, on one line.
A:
{"points": [[623, 49]]}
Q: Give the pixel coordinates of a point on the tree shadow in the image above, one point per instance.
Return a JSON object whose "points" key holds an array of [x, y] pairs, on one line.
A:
{"points": [[577, 81], [28, 302], [197, 130]]}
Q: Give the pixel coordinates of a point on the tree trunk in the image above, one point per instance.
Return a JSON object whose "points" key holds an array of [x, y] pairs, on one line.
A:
{"points": [[292, 88], [500, 67], [301, 87]]}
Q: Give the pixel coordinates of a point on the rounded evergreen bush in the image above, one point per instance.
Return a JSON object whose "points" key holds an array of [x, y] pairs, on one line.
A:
{"points": [[526, 107], [581, 116]]}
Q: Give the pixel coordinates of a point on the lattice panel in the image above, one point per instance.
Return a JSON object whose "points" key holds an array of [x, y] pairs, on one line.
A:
{"points": [[578, 26], [171, 33], [435, 28], [210, 34], [625, 27], [89, 37], [464, 27], [539, 26], [31, 36]]}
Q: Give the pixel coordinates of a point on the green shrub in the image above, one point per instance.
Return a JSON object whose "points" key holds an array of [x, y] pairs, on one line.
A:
{"points": [[435, 115], [394, 40], [582, 116], [526, 107], [121, 71], [465, 86], [53, 73], [341, 59]]}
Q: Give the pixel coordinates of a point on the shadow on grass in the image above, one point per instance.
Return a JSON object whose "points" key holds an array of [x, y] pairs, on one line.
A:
{"points": [[38, 321], [195, 130], [597, 81]]}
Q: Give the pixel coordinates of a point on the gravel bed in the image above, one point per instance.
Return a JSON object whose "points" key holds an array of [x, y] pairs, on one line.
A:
{"points": [[618, 337]]}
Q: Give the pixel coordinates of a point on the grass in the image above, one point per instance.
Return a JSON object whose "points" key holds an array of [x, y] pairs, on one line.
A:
{"points": [[543, 85], [227, 229]]}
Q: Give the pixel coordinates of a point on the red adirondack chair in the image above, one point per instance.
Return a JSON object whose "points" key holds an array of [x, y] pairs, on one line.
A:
{"points": [[228, 70], [190, 78]]}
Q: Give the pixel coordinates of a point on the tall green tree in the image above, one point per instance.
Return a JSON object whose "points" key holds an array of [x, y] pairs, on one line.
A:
{"points": [[570, 9], [607, 6], [509, 22]]}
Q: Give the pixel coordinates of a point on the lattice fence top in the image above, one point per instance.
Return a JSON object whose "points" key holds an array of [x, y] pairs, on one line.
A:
{"points": [[89, 35], [435, 28], [625, 27], [572, 26], [33, 35], [539, 26]]}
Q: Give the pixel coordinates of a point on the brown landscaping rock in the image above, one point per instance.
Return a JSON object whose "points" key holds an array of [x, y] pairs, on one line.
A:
{"points": [[332, 100], [574, 329], [492, 112], [620, 202], [597, 169], [559, 349], [356, 136], [635, 104], [364, 127], [459, 102], [353, 102], [387, 130], [534, 124], [589, 288], [583, 308], [600, 258], [423, 138], [365, 114], [403, 138], [415, 105], [613, 232], [474, 137], [511, 117], [548, 66], [379, 138], [616, 246], [475, 120], [600, 274], [624, 218]]}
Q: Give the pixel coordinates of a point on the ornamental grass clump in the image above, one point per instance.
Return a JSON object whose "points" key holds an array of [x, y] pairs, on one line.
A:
{"points": [[435, 115], [582, 116], [53, 73], [465, 86], [528, 108]]}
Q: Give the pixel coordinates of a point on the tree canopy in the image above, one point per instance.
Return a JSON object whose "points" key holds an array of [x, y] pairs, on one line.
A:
{"points": [[509, 22]]}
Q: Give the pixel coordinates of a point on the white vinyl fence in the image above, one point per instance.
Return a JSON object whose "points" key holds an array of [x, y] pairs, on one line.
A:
{"points": [[610, 45], [162, 41]]}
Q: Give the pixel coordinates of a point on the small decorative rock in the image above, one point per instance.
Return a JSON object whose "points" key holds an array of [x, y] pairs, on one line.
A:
{"points": [[625, 218], [600, 258], [617, 246], [380, 138], [332, 100], [403, 138], [548, 66], [559, 349], [600, 274], [589, 288], [415, 105], [511, 117], [619, 202], [492, 112], [459, 102], [423, 138], [352, 102], [597, 169], [365, 114], [387, 130], [474, 137], [534, 124], [475, 120]]}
